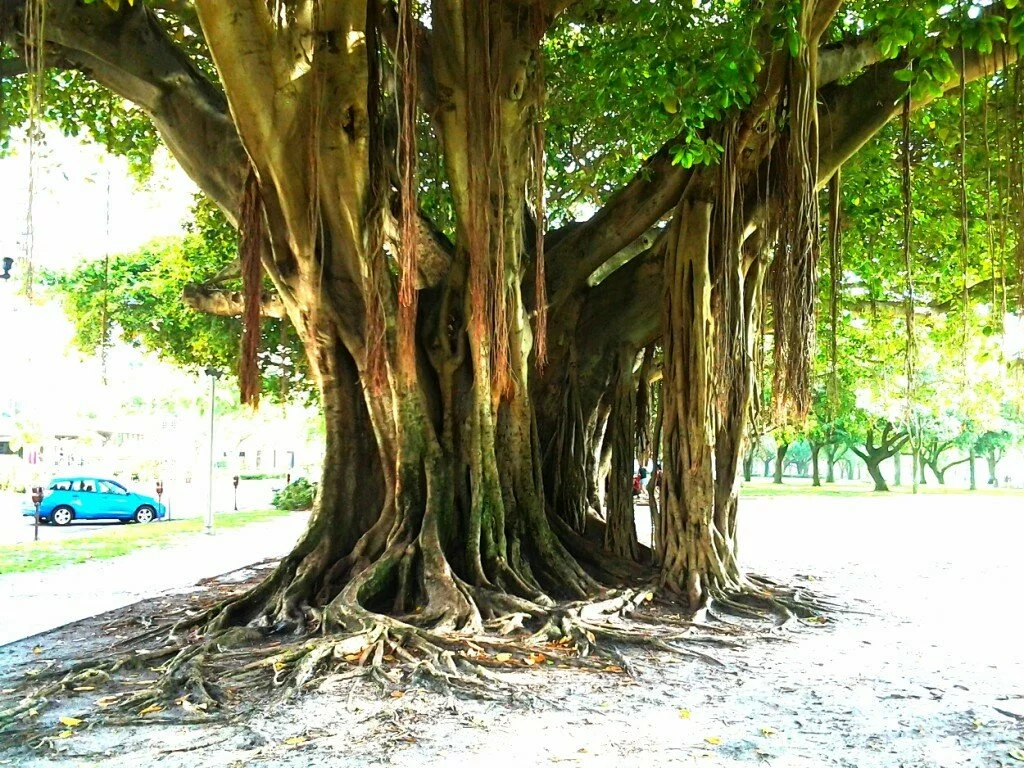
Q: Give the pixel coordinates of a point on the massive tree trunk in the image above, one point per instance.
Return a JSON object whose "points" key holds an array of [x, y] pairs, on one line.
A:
{"points": [[432, 506]]}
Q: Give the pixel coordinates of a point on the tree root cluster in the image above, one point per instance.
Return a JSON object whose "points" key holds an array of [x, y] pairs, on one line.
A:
{"points": [[196, 677]]}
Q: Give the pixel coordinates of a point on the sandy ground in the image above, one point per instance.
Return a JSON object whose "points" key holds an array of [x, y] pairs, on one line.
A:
{"points": [[928, 672]]}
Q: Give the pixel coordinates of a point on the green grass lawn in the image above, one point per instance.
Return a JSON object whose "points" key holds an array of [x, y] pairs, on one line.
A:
{"points": [[117, 541], [800, 486]]}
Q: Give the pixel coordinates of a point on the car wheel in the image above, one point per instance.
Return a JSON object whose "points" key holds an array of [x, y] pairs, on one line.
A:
{"points": [[145, 515], [62, 516]]}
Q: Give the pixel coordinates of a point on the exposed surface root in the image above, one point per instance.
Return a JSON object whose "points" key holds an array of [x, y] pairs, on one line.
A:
{"points": [[759, 598], [197, 677]]}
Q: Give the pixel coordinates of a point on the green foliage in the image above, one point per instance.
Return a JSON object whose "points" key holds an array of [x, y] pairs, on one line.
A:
{"points": [[300, 495], [141, 294]]}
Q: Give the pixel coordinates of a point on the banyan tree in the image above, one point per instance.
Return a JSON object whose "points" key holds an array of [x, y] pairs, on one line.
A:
{"points": [[502, 303]]}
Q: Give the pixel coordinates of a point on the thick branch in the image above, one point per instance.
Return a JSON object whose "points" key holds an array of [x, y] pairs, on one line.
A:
{"points": [[215, 301], [129, 53]]}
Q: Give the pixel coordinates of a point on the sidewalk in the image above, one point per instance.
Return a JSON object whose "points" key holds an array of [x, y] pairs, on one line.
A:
{"points": [[31, 603]]}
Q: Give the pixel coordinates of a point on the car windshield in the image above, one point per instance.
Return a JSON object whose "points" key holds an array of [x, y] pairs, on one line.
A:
{"points": [[109, 486]]}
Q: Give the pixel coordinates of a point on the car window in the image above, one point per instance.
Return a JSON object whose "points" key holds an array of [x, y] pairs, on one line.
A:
{"points": [[60, 485], [83, 486], [107, 486]]}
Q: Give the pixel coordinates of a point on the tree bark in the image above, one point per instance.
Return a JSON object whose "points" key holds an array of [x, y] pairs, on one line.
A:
{"points": [[620, 531], [780, 462], [874, 467], [897, 478], [973, 471], [748, 465], [815, 472]]}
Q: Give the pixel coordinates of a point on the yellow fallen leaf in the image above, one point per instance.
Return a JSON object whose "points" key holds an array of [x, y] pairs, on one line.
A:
{"points": [[65, 734], [37, 650], [70, 722], [84, 688], [612, 668], [590, 636], [536, 658], [33, 712], [105, 701], [397, 694], [151, 709], [296, 740], [713, 739], [1017, 754], [768, 731], [649, 597], [503, 657], [684, 713]]}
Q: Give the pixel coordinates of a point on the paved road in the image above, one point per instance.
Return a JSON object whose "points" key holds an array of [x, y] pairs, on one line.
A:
{"points": [[35, 602]]}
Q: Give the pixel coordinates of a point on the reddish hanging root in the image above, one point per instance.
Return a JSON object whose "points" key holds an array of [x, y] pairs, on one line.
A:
{"points": [[407, 170], [540, 289], [376, 269], [250, 244], [794, 272]]}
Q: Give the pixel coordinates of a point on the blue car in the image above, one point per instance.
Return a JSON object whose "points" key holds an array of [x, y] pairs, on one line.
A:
{"points": [[94, 498]]}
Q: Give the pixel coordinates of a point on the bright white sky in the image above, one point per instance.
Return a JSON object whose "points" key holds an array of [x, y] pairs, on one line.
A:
{"points": [[41, 373], [71, 202]]}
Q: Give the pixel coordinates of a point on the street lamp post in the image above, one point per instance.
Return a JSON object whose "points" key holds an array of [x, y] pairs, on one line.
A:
{"points": [[214, 374], [37, 499]]}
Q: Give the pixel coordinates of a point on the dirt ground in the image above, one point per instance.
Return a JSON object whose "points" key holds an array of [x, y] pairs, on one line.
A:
{"points": [[926, 670]]}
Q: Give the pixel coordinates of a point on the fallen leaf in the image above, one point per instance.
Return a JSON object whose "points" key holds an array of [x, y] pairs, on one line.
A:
{"points": [[33, 712], [762, 753], [397, 694], [536, 658], [713, 740], [590, 636], [1017, 754], [503, 657], [649, 597], [151, 709], [294, 740], [65, 734], [612, 668], [768, 731], [70, 722], [37, 650], [105, 701], [684, 713], [84, 688]]}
